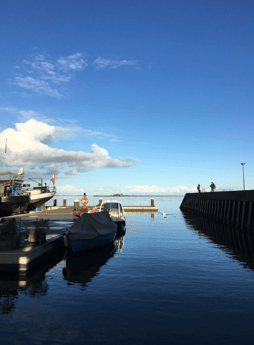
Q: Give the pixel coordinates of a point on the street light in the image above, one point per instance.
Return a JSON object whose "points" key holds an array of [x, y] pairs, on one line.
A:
{"points": [[243, 176]]}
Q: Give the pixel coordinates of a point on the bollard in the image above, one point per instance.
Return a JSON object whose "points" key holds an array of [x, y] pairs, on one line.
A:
{"points": [[54, 202], [152, 202], [76, 205], [100, 202], [64, 202], [36, 236]]}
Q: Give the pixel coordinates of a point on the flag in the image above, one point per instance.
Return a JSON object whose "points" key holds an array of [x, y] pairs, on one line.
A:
{"points": [[5, 146], [53, 178]]}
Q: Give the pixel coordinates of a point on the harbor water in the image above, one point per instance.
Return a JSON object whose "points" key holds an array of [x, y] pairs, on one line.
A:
{"points": [[180, 280]]}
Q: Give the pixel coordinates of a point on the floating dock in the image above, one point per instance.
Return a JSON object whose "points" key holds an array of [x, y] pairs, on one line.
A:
{"points": [[235, 208]]}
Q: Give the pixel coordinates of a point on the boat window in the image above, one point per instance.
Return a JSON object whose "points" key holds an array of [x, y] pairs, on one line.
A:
{"points": [[111, 205]]}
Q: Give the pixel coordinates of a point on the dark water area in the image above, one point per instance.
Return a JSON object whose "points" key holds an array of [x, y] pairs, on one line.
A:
{"points": [[182, 279]]}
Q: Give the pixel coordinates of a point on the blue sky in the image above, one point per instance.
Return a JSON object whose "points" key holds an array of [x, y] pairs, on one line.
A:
{"points": [[128, 96]]}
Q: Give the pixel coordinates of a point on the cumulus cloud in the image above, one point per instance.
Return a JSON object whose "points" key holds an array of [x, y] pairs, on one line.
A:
{"points": [[144, 189], [24, 115], [28, 145], [101, 63]]}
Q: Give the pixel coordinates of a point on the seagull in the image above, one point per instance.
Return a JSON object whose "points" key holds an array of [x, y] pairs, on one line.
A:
{"points": [[164, 215]]}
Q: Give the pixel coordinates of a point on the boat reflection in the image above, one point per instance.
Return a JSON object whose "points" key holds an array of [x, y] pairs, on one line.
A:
{"points": [[238, 243], [84, 267], [119, 241]]}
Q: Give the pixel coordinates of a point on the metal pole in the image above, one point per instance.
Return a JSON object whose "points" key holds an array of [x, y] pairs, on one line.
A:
{"points": [[243, 176]]}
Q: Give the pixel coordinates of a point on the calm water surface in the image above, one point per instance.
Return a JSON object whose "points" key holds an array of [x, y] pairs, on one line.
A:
{"points": [[179, 279]]}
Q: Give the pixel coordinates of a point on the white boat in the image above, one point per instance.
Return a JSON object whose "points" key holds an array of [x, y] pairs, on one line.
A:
{"points": [[39, 195], [115, 209]]}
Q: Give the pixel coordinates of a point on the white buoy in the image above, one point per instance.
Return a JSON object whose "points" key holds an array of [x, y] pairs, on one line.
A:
{"points": [[164, 215]]}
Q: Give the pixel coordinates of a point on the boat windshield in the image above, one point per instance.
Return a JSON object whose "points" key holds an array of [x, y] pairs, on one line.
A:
{"points": [[111, 205]]}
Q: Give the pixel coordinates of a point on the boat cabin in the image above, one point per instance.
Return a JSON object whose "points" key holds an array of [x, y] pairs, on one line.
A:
{"points": [[113, 206]]}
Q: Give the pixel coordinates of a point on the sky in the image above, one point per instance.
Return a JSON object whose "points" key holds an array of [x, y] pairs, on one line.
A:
{"points": [[132, 97]]}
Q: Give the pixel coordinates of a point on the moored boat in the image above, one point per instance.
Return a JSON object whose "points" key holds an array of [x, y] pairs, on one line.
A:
{"points": [[91, 230], [12, 199], [115, 210], [40, 194]]}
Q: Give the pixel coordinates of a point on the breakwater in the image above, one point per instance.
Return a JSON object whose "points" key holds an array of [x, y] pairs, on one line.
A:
{"points": [[235, 208]]}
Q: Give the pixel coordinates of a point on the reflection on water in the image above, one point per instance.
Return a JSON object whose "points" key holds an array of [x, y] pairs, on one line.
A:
{"points": [[238, 243], [8, 300], [84, 267], [31, 285], [119, 244]]}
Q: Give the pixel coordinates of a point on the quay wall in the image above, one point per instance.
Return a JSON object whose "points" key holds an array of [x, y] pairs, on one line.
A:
{"points": [[234, 207]]}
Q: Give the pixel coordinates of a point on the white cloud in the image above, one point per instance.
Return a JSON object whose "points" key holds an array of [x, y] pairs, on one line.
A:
{"points": [[28, 145], [72, 62], [155, 189], [71, 172], [48, 74], [37, 85], [68, 189], [101, 63], [24, 115]]}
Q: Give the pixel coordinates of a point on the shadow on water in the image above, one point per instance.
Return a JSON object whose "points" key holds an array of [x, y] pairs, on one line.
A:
{"points": [[84, 267], [33, 284], [237, 242]]}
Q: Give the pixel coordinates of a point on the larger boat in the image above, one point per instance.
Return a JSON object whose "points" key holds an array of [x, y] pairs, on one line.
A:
{"points": [[39, 195], [14, 187], [12, 199]]}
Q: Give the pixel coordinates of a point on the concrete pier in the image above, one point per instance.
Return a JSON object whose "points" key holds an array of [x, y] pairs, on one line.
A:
{"points": [[235, 208], [29, 255]]}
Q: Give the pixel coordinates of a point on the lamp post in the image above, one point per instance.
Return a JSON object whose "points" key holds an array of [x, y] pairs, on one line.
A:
{"points": [[243, 176]]}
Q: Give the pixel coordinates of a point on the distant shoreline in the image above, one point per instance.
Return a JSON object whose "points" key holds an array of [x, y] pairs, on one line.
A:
{"points": [[124, 196]]}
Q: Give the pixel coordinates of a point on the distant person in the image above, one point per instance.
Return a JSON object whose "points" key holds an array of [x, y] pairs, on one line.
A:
{"points": [[212, 187], [198, 188]]}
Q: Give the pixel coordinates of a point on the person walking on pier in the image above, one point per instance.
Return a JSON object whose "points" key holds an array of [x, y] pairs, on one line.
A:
{"points": [[212, 187], [198, 188]]}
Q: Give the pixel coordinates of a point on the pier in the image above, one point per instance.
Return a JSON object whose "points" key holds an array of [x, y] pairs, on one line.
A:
{"points": [[35, 251], [69, 209], [235, 208], [29, 255]]}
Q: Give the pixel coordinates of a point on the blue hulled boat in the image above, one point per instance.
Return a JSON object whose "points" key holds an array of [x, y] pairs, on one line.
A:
{"points": [[91, 230]]}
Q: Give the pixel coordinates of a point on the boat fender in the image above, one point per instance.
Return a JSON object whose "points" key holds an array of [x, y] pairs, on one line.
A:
{"points": [[66, 242]]}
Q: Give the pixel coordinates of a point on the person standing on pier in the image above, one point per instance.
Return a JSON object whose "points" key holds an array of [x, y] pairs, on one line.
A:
{"points": [[212, 187], [198, 188]]}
